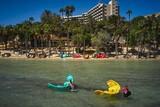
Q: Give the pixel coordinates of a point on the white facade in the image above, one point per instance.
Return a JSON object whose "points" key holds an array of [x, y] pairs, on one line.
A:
{"points": [[100, 11]]}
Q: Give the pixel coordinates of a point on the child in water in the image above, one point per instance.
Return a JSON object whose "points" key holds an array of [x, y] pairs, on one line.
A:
{"points": [[70, 83], [125, 91], [72, 86]]}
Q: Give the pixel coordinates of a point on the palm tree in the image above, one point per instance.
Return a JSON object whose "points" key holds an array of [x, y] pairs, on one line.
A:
{"points": [[46, 16], [69, 11], [139, 30], [25, 30], [31, 19], [31, 23], [2, 35], [46, 27], [115, 26], [50, 24], [129, 12], [157, 32], [8, 34], [62, 10], [91, 24], [35, 34]]}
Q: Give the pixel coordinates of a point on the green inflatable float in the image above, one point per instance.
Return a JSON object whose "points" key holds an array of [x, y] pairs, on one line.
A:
{"points": [[63, 87]]}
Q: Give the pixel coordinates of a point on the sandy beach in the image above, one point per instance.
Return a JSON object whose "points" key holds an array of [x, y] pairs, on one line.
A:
{"points": [[56, 57]]}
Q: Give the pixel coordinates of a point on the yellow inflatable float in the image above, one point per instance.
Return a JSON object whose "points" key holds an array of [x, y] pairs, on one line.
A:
{"points": [[113, 88]]}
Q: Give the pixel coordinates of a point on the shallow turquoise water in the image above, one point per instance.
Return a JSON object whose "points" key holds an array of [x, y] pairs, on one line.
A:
{"points": [[24, 83]]}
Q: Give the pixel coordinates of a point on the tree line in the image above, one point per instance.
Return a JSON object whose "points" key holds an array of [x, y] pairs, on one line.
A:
{"points": [[110, 35]]}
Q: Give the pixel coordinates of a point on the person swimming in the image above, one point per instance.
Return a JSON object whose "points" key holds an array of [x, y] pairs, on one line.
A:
{"points": [[72, 86], [125, 91], [70, 82]]}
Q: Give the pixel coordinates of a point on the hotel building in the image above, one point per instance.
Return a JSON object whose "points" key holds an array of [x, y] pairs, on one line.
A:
{"points": [[100, 11]]}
